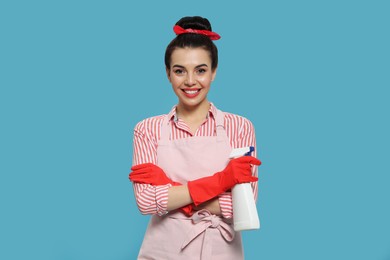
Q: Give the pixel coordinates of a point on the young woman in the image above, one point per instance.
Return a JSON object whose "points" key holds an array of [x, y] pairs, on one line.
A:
{"points": [[182, 174]]}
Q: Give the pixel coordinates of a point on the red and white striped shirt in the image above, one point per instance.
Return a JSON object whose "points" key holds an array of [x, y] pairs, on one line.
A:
{"points": [[154, 199]]}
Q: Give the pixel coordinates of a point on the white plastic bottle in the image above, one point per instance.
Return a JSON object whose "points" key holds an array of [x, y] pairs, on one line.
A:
{"points": [[245, 215]]}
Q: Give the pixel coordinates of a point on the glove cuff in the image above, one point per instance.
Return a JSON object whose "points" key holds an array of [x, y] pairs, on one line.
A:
{"points": [[204, 189]]}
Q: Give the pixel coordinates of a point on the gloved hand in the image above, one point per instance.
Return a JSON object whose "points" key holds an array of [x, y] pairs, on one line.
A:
{"points": [[149, 173], [237, 171]]}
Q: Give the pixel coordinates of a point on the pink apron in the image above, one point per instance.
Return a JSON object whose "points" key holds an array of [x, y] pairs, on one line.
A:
{"points": [[203, 236]]}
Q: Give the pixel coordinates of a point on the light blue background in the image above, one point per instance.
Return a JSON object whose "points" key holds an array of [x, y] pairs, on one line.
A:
{"points": [[76, 76]]}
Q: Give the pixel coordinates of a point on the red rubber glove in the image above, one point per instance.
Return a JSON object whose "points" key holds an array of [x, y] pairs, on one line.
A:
{"points": [[237, 171], [149, 173]]}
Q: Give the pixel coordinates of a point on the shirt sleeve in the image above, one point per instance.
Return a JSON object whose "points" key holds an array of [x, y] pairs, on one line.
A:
{"points": [[226, 204], [150, 199], [243, 136]]}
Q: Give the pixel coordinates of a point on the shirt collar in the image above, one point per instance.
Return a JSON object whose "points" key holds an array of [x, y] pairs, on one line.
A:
{"points": [[173, 116]]}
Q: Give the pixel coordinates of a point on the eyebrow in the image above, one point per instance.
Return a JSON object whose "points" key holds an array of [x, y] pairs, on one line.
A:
{"points": [[180, 66]]}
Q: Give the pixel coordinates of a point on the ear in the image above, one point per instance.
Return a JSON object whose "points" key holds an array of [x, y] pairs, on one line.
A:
{"points": [[168, 73], [214, 73]]}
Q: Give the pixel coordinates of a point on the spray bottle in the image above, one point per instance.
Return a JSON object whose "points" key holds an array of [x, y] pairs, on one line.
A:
{"points": [[245, 215]]}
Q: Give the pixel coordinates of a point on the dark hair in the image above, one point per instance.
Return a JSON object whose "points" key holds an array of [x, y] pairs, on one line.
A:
{"points": [[192, 40]]}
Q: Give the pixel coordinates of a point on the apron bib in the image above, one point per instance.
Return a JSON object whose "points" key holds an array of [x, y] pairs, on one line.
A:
{"points": [[203, 236]]}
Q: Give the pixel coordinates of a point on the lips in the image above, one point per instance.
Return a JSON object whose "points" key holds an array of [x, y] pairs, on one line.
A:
{"points": [[191, 93]]}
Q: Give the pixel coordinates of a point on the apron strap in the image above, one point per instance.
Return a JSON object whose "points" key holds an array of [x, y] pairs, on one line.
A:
{"points": [[203, 221], [165, 127], [220, 126]]}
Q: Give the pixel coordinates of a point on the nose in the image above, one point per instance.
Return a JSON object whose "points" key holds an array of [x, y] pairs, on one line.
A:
{"points": [[190, 80]]}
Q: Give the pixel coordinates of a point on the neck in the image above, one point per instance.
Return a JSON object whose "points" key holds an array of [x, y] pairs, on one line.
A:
{"points": [[193, 113]]}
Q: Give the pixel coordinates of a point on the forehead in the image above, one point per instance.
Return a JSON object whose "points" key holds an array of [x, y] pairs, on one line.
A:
{"points": [[190, 57]]}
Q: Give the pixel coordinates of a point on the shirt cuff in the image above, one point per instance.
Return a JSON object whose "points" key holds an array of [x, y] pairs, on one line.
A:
{"points": [[226, 204], [162, 199]]}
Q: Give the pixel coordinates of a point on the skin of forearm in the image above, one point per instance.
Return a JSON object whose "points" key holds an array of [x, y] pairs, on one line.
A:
{"points": [[179, 196], [211, 205]]}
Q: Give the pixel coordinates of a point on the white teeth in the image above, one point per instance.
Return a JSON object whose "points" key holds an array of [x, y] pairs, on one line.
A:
{"points": [[191, 91]]}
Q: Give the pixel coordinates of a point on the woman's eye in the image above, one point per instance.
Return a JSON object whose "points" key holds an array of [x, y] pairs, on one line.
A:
{"points": [[178, 71], [201, 71]]}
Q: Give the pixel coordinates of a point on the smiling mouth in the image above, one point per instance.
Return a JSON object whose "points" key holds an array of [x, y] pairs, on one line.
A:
{"points": [[191, 91]]}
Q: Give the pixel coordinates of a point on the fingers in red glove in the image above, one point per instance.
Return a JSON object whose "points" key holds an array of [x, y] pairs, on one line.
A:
{"points": [[148, 173], [187, 210], [142, 166], [247, 160]]}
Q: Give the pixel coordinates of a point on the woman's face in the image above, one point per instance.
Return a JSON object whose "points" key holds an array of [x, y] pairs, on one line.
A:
{"points": [[191, 75]]}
